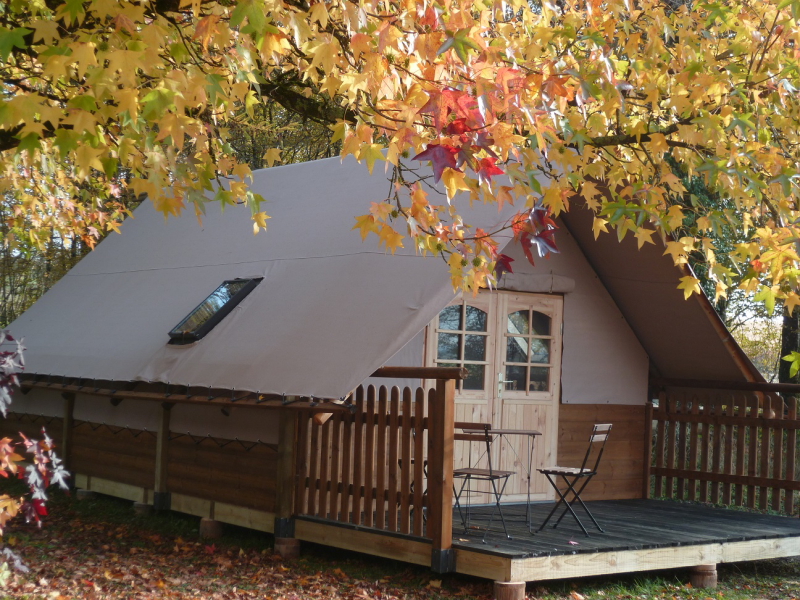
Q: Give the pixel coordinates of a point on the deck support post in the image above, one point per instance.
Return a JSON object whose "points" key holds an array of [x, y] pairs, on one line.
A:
{"points": [[66, 434], [703, 576], [161, 497], [285, 543], [210, 529], [440, 475], [509, 590]]}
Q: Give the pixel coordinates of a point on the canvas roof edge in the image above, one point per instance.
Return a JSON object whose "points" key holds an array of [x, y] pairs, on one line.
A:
{"points": [[181, 394], [749, 370]]}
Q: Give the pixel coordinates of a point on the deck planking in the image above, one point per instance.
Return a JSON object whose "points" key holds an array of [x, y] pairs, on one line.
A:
{"points": [[628, 524]]}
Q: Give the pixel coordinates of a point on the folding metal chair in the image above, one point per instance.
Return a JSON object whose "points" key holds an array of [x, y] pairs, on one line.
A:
{"points": [[571, 476], [493, 476]]}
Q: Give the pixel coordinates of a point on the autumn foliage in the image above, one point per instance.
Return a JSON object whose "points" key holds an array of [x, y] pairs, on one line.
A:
{"points": [[546, 105]]}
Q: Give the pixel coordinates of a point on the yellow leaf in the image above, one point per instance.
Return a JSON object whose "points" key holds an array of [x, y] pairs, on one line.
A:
{"points": [[370, 153], [689, 285], [678, 252], [598, 226], [260, 222], [453, 181], [792, 300], [644, 236], [319, 13], [87, 158], [658, 143], [272, 156], [365, 224], [675, 216], [390, 238]]}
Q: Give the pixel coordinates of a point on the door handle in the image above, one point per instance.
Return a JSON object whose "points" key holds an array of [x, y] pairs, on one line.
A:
{"points": [[500, 383]]}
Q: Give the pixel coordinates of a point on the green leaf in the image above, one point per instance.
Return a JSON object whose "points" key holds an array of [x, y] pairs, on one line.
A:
{"points": [[30, 143], [767, 296], [461, 43], [157, 102], [84, 101], [12, 38], [793, 358]]}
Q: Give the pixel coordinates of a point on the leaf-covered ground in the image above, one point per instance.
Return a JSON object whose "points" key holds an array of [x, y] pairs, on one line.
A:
{"points": [[100, 549]]}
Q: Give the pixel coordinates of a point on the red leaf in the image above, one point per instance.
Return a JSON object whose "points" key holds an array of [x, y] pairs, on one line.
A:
{"points": [[441, 156], [40, 507], [502, 265], [457, 127], [487, 168]]}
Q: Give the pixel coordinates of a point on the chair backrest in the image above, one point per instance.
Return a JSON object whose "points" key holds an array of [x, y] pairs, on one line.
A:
{"points": [[484, 437], [597, 444]]}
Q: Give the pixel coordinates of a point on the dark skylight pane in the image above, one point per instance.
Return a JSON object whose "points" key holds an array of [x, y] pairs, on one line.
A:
{"points": [[212, 310]]}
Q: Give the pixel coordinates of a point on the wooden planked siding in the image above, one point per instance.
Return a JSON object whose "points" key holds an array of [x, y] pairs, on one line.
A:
{"points": [[223, 471], [115, 453], [620, 475], [31, 426]]}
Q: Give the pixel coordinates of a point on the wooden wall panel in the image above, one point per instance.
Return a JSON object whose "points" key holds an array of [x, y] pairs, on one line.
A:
{"points": [[31, 426], [621, 469], [119, 454], [227, 472]]}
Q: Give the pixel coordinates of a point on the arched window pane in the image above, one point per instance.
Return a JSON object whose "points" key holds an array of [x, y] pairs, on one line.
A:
{"points": [[476, 319], [450, 318], [540, 324], [518, 322]]}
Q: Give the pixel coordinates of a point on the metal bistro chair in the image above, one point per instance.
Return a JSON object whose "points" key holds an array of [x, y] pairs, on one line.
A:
{"points": [[497, 479], [571, 476]]}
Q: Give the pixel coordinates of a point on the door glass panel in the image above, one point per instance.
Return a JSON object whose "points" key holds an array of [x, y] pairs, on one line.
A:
{"points": [[540, 324], [449, 346], [474, 380], [517, 350], [450, 318], [515, 378], [540, 351], [476, 319], [540, 379], [474, 347], [518, 322]]}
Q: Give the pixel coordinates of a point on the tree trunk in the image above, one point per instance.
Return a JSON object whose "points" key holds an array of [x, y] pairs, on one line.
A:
{"points": [[790, 342]]}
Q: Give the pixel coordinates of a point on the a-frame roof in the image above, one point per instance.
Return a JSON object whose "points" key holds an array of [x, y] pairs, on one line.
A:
{"points": [[330, 310]]}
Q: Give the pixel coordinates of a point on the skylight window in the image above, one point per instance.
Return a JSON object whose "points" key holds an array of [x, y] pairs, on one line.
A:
{"points": [[212, 310]]}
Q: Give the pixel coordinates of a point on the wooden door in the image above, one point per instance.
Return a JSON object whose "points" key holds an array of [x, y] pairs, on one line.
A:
{"points": [[510, 343]]}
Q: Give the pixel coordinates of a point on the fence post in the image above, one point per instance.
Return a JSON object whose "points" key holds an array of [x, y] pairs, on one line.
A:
{"points": [[161, 497], [648, 448], [66, 436], [440, 476], [285, 481]]}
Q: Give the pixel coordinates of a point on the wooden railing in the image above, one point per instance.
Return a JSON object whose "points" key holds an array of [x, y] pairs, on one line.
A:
{"points": [[726, 443], [385, 464]]}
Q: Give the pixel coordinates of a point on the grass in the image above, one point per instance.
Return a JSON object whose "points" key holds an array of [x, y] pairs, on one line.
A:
{"points": [[100, 548]]}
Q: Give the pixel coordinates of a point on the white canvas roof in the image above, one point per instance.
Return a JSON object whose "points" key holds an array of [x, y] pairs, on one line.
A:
{"points": [[329, 311]]}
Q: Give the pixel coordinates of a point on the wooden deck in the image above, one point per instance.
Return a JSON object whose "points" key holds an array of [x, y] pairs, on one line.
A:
{"points": [[640, 535]]}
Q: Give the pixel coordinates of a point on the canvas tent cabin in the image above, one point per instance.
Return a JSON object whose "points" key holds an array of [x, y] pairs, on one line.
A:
{"points": [[224, 427]]}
